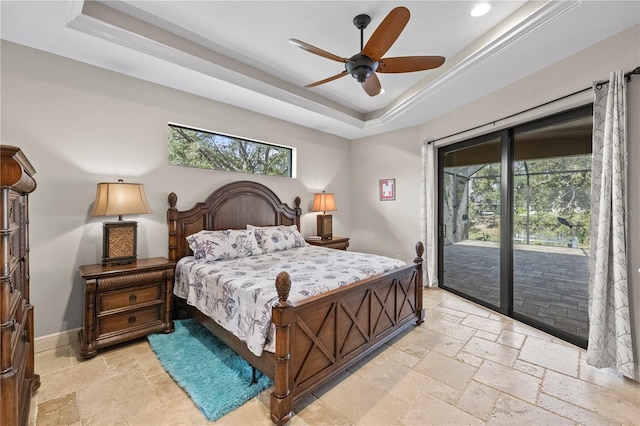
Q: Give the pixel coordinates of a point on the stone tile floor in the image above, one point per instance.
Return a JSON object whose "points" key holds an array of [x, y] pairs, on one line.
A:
{"points": [[550, 283], [464, 365]]}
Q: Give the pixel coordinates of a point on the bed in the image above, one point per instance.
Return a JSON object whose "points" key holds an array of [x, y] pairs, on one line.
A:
{"points": [[318, 337]]}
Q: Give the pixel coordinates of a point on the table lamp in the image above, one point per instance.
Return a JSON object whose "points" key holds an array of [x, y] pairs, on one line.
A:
{"points": [[120, 239], [324, 202]]}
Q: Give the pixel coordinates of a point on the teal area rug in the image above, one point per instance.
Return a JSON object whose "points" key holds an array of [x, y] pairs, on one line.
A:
{"points": [[215, 377]]}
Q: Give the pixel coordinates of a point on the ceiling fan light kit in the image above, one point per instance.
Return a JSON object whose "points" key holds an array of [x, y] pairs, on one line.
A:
{"points": [[364, 65]]}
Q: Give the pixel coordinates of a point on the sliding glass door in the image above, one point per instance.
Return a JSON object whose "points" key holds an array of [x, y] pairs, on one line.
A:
{"points": [[470, 220], [514, 222], [551, 213]]}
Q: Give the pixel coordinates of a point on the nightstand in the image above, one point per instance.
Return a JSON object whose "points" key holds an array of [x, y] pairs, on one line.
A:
{"points": [[125, 302], [338, 243]]}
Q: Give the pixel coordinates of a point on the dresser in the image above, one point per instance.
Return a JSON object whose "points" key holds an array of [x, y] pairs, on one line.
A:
{"points": [[125, 302], [17, 377]]}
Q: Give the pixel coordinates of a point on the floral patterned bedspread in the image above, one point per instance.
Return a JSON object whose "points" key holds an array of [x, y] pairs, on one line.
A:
{"points": [[239, 293]]}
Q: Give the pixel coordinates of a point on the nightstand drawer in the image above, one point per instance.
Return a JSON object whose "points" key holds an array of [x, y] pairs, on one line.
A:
{"points": [[133, 279], [129, 297], [124, 321], [337, 245]]}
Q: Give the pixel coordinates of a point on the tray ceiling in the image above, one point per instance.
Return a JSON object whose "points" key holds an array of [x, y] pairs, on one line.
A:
{"points": [[237, 52]]}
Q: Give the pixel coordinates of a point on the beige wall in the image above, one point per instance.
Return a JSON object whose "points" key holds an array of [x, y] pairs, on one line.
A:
{"points": [[80, 125], [565, 77], [390, 228]]}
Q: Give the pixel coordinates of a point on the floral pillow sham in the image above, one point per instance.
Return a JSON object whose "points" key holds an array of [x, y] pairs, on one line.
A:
{"points": [[224, 245], [277, 238]]}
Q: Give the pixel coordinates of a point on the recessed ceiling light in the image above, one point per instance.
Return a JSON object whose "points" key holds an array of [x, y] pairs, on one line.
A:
{"points": [[481, 9]]}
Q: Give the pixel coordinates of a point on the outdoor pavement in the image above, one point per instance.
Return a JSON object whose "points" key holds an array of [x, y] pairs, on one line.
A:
{"points": [[550, 283]]}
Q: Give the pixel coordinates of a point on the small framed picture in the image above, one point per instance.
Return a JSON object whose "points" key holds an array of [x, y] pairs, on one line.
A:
{"points": [[387, 189]]}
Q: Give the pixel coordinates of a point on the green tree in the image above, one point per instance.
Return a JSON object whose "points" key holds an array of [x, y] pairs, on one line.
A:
{"points": [[544, 191], [550, 189], [194, 148], [484, 203]]}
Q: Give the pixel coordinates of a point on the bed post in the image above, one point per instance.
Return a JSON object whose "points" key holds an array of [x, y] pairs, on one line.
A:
{"points": [[172, 216], [282, 317], [419, 284], [298, 212]]}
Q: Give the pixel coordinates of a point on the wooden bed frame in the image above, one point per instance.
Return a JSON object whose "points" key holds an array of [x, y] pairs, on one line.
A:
{"points": [[317, 338]]}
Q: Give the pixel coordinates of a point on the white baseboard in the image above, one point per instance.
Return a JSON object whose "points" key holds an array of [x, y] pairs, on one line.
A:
{"points": [[56, 340]]}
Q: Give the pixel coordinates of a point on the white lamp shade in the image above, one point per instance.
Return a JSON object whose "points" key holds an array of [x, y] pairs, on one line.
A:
{"points": [[119, 198]]}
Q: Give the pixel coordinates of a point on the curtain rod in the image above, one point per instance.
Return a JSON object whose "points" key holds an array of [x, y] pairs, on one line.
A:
{"points": [[627, 76]]}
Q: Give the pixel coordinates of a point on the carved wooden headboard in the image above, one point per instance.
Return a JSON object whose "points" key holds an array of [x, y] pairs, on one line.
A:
{"points": [[232, 206]]}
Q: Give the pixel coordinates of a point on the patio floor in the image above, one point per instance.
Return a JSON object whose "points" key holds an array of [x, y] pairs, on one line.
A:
{"points": [[550, 283]]}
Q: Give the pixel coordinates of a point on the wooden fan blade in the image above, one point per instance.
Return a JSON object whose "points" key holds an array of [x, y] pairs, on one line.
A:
{"points": [[326, 80], [372, 85], [386, 33], [318, 51], [409, 63]]}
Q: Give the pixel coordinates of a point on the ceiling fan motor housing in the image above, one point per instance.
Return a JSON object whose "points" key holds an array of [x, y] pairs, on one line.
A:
{"points": [[361, 67]]}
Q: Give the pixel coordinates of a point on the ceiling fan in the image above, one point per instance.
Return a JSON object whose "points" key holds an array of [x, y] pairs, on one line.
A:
{"points": [[364, 65]]}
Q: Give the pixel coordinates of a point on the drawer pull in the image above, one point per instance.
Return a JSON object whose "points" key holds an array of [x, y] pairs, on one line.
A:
{"points": [[132, 319], [11, 325], [25, 336], [133, 298]]}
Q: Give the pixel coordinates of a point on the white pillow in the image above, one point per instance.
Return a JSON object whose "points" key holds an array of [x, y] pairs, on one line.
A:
{"points": [[278, 238], [223, 245]]}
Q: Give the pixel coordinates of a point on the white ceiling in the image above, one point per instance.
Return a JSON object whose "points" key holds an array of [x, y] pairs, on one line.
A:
{"points": [[238, 52]]}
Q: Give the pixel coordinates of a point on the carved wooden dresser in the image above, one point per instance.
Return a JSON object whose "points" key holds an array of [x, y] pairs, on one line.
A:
{"points": [[17, 377]]}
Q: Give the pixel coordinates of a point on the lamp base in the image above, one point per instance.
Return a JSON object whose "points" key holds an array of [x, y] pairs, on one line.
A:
{"points": [[325, 230], [119, 243]]}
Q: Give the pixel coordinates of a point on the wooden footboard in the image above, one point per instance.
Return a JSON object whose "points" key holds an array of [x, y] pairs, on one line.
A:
{"points": [[322, 336]]}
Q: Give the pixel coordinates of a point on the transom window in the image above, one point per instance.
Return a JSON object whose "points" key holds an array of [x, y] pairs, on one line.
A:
{"points": [[208, 150]]}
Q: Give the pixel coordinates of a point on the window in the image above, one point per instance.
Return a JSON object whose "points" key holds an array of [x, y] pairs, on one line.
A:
{"points": [[207, 150]]}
